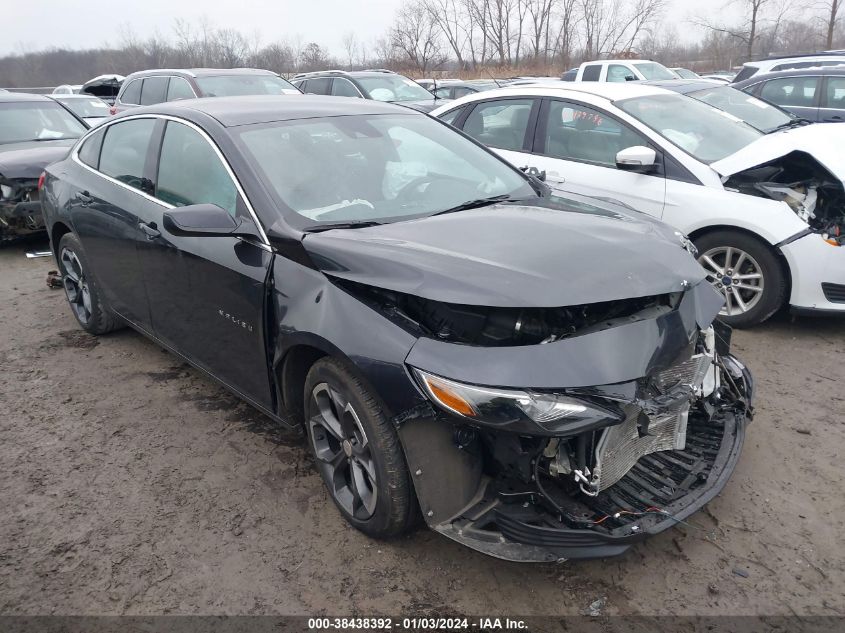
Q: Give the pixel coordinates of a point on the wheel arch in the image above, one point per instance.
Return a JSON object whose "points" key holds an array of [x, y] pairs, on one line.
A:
{"points": [[57, 231]]}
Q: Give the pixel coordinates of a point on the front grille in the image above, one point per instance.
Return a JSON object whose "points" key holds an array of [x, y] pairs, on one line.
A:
{"points": [[835, 293]]}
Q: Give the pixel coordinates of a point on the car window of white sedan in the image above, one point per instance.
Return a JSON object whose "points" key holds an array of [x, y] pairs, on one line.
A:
{"points": [[576, 132], [501, 123], [704, 132]]}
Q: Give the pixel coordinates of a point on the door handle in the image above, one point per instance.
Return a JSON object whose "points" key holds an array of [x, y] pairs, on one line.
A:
{"points": [[150, 230], [84, 198], [835, 117]]}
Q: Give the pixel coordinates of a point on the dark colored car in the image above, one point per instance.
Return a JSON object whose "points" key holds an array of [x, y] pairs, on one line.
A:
{"points": [[458, 89], [816, 94], [378, 85], [539, 376], [763, 115], [149, 87], [34, 132]]}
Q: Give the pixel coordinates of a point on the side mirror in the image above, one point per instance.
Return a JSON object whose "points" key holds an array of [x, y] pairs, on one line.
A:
{"points": [[638, 159], [209, 220]]}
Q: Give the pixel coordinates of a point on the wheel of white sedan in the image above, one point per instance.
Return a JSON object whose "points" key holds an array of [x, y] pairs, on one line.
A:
{"points": [[746, 272]]}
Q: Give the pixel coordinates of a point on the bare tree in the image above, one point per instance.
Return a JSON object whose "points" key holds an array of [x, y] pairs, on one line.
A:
{"points": [[747, 31], [350, 47], [452, 19], [416, 35], [831, 15]]}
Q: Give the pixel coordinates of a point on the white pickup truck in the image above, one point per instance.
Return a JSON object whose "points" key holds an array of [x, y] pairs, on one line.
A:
{"points": [[623, 70]]}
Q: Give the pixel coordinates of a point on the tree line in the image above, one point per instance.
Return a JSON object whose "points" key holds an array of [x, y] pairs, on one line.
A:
{"points": [[468, 38]]}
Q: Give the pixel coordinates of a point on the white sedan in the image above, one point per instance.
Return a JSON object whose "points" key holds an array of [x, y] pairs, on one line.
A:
{"points": [[765, 210]]}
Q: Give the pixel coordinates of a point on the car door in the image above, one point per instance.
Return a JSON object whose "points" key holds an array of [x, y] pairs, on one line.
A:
{"points": [[505, 125], [576, 145], [111, 189], [832, 107], [799, 95], [206, 294]]}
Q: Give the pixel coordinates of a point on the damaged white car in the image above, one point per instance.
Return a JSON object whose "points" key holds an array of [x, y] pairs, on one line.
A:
{"points": [[765, 208]]}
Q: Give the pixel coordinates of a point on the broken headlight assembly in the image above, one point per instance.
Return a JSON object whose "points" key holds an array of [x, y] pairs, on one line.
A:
{"points": [[538, 413]]}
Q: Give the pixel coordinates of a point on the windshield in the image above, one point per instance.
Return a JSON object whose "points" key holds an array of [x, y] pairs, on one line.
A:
{"points": [[378, 168], [705, 132], [37, 121], [653, 70], [683, 73], [756, 112], [242, 85], [393, 88], [86, 108]]}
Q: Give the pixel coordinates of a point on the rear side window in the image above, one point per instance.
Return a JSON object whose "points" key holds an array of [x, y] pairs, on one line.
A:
{"points": [[132, 94], [745, 73], [318, 86], [591, 72], [191, 172], [451, 116], [154, 90], [501, 123], [89, 153], [179, 89], [124, 152], [834, 96], [791, 91]]}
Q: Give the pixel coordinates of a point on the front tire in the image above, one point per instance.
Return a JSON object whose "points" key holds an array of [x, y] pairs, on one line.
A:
{"points": [[82, 290], [357, 451], [747, 273]]}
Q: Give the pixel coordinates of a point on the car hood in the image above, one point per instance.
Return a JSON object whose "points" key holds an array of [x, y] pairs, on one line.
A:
{"points": [[822, 141], [423, 106], [28, 160], [513, 255]]}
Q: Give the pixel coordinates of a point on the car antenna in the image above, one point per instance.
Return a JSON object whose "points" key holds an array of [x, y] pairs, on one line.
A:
{"points": [[434, 84], [495, 81]]}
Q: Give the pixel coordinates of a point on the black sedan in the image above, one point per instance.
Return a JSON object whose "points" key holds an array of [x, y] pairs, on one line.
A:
{"points": [[34, 132], [540, 378]]}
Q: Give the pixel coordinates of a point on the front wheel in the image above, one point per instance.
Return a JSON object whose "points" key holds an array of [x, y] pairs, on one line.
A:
{"points": [[357, 451], [746, 272]]}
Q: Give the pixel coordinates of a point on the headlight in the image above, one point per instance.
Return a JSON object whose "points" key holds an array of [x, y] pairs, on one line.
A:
{"points": [[518, 410]]}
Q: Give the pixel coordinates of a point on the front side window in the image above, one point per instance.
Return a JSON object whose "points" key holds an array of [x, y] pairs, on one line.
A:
{"points": [[705, 132], [124, 152], [390, 87], [756, 112], [191, 172], [618, 73], [37, 121], [501, 123], [834, 96], [243, 85], [378, 168], [576, 132], [179, 88], [591, 72], [154, 90], [791, 91], [132, 94], [344, 88]]}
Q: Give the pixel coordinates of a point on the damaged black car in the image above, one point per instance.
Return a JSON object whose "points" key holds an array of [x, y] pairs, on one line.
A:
{"points": [[34, 132], [538, 378]]}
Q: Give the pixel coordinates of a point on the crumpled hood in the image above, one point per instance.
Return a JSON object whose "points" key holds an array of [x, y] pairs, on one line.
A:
{"points": [[28, 160], [823, 141], [512, 255]]}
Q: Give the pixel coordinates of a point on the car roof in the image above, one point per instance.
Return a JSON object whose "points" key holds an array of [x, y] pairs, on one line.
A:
{"points": [[74, 96], [9, 97], [200, 72], [774, 61], [603, 89], [235, 111], [684, 86], [834, 71]]}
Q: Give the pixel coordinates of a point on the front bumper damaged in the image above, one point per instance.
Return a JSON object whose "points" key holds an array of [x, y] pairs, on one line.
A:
{"points": [[509, 495], [20, 214]]}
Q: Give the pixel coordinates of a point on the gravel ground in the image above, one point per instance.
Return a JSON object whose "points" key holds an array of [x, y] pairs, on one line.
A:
{"points": [[133, 485]]}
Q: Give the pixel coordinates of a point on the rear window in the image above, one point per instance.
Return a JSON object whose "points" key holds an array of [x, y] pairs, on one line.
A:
{"points": [[591, 73]]}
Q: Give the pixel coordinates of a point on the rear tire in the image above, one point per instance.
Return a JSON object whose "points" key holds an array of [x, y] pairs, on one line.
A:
{"points": [[82, 289], [357, 451], [746, 272]]}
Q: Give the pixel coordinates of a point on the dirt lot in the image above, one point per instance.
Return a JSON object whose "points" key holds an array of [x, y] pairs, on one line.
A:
{"points": [[131, 484]]}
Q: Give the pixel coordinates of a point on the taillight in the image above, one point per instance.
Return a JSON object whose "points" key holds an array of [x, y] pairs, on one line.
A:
{"points": [[112, 110], [41, 180]]}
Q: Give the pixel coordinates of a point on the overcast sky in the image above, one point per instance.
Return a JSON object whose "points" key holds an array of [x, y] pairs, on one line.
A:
{"points": [[92, 23]]}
